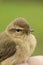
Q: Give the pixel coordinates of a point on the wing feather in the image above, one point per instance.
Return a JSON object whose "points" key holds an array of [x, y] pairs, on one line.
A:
{"points": [[7, 47]]}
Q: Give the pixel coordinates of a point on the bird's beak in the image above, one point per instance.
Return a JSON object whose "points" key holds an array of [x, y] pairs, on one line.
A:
{"points": [[31, 30]]}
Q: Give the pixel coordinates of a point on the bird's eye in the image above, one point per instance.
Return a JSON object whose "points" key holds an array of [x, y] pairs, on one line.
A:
{"points": [[18, 30], [15, 30]]}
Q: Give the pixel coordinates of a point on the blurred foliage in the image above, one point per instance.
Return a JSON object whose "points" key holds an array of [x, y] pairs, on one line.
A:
{"points": [[21, 0]]}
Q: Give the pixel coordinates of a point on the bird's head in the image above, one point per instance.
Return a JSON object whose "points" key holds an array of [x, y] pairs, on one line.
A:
{"points": [[19, 28]]}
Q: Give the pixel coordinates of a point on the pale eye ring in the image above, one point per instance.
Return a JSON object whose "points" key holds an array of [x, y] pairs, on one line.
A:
{"points": [[18, 30]]}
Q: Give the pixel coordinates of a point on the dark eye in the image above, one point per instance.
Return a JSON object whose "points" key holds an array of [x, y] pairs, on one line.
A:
{"points": [[15, 30], [18, 30]]}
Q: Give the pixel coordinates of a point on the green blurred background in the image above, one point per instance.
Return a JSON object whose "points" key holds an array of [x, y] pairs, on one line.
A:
{"points": [[32, 10]]}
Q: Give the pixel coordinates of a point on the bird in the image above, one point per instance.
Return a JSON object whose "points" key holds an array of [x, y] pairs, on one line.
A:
{"points": [[17, 43]]}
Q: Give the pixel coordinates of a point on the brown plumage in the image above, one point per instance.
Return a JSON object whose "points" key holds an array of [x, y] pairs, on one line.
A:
{"points": [[6, 46], [20, 34]]}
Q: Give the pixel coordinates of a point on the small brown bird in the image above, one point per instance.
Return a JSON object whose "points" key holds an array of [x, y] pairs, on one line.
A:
{"points": [[17, 42]]}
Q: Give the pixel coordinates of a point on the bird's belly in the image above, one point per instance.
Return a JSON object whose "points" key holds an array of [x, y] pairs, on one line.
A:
{"points": [[23, 53]]}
